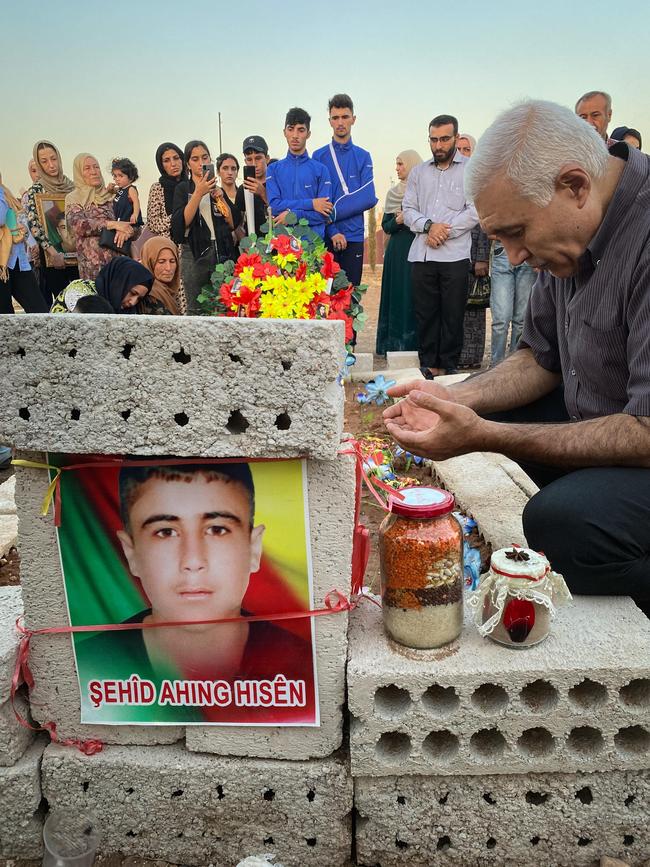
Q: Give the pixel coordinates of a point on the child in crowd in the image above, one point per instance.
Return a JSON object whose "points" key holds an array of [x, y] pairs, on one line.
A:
{"points": [[126, 203]]}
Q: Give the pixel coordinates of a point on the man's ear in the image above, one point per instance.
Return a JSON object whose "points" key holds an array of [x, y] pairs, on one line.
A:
{"points": [[256, 547], [129, 551], [308, 133], [575, 180]]}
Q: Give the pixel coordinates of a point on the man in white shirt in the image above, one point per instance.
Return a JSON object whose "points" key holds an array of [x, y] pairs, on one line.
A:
{"points": [[436, 210]]}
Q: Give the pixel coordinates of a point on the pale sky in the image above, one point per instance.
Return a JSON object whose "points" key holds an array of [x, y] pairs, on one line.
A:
{"points": [[118, 79]]}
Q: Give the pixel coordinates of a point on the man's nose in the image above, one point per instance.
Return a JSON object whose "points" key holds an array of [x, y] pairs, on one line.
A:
{"points": [[516, 253], [193, 558]]}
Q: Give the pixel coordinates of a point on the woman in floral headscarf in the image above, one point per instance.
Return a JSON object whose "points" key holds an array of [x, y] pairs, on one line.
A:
{"points": [[56, 272], [88, 210]]}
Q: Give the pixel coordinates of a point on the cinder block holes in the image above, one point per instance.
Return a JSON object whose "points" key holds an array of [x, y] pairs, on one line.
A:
{"points": [[441, 746], [392, 702], [490, 698], [440, 701], [585, 742], [632, 741], [393, 747], [540, 696], [536, 742], [237, 423], [487, 745], [588, 694], [636, 694]]}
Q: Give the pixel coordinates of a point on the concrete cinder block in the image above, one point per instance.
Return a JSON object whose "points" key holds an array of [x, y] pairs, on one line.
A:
{"points": [[14, 737], [55, 697], [536, 820], [486, 490], [8, 533], [188, 808], [11, 608], [401, 360], [580, 700], [149, 385], [331, 518], [21, 822], [8, 496]]}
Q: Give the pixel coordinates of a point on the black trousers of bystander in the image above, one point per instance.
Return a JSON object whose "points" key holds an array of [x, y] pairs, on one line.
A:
{"points": [[23, 287], [350, 260], [593, 523], [439, 298]]}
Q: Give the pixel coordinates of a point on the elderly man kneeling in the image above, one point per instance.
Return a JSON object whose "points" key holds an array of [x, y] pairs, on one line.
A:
{"points": [[572, 404]]}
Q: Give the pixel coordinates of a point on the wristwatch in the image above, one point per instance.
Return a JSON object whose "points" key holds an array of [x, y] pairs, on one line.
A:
{"points": [[427, 226]]}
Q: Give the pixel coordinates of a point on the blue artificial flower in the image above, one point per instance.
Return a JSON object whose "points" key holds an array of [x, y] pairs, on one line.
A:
{"points": [[409, 456], [376, 391]]}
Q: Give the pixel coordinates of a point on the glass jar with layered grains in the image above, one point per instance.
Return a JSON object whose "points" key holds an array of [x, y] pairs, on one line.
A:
{"points": [[421, 554]]}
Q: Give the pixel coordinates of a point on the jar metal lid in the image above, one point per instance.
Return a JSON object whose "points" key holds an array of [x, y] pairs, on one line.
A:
{"points": [[422, 502]]}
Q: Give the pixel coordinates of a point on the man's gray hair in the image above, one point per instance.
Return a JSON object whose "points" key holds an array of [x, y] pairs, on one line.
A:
{"points": [[590, 95], [530, 143]]}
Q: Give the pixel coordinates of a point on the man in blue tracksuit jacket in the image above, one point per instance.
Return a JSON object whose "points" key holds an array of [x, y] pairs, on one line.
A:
{"points": [[353, 188], [298, 183]]}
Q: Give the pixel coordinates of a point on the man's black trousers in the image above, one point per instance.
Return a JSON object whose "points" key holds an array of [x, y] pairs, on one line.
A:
{"points": [[593, 524], [439, 298]]}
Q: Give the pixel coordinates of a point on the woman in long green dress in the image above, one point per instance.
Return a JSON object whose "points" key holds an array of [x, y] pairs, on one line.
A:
{"points": [[396, 330]]}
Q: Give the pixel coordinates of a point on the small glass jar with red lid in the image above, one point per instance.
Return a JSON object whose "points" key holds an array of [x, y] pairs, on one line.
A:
{"points": [[421, 555]]}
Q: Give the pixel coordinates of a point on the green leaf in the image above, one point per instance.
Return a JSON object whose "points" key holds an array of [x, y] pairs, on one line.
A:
{"points": [[290, 219], [245, 244]]}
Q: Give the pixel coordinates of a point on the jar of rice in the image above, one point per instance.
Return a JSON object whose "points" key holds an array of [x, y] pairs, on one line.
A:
{"points": [[421, 555]]}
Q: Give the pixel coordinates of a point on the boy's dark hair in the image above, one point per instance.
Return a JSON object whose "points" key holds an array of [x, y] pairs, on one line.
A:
{"points": [[93, 304], [189, 147], [223, 157], [296, 116], [126, 166], [443, 120], [132, 477], [340, 100]]}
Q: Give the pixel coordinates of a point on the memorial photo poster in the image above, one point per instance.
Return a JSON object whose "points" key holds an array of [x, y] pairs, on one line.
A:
{"points": [[176, 541]]}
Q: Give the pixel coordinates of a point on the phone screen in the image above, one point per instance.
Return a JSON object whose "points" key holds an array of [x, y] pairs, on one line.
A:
{"points": [[249, 172], [208, 170]]}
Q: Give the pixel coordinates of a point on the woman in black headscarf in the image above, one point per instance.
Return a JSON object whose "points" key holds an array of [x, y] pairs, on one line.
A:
{"points": [[171, 165], [124, 283]]}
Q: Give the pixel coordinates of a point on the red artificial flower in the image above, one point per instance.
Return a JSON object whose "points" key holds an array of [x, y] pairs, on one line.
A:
{"points": [[247, 260], [349, 330], [330, 267], [265, 269], [301, 271], [225, 294], [285, 244], [249, 300], [342, 301]]}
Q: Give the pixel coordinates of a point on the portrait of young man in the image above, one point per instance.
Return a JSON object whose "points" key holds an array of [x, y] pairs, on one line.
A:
{"points": [[189, 535]]}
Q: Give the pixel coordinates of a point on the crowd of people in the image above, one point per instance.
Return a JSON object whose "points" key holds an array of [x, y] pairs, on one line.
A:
{"points": [[435, 250]]}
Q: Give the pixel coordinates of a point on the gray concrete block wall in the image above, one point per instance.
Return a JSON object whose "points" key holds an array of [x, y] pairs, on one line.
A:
{"points": [[14, 737], [190, 386], [55, 696], [11, 608], [578, 701], [166, 803], [331, 518], [21, 816], [536, 820]]}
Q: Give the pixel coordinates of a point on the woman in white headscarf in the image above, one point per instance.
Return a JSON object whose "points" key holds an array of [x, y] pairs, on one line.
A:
{"points": [[88, 210], [396, 330]]}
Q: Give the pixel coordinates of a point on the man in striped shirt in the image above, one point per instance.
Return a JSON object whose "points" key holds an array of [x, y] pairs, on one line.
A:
{"points": [[572, 404]]}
